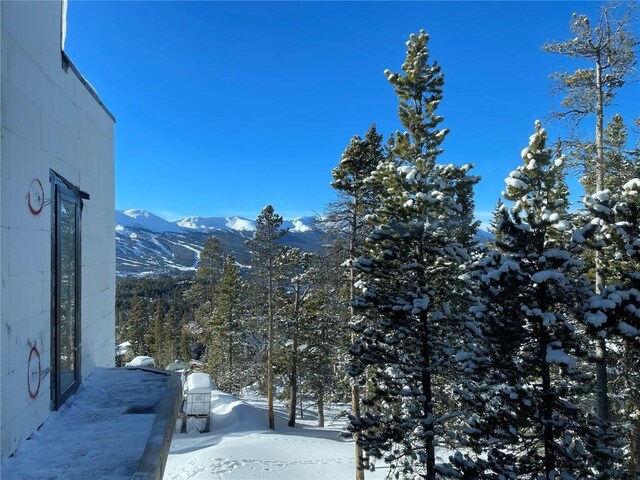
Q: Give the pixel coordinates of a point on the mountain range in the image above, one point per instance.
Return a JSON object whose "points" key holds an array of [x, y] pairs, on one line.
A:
{"points": [[148, 245]]}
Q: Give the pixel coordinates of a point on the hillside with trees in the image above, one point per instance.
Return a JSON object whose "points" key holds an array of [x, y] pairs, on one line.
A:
{"points": [[518, 356]]}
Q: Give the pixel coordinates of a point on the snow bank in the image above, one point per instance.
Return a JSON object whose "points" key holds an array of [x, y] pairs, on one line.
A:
{"points": [[241, 446]]}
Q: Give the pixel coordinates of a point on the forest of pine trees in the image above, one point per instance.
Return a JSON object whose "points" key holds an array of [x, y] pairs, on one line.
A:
{"points": [[514, 359]]}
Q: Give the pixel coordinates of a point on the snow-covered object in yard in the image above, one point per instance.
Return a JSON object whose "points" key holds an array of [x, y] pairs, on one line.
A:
{"points": [[141, 361], [177, 366], [123, 348], [198, 383], [198, 394]]}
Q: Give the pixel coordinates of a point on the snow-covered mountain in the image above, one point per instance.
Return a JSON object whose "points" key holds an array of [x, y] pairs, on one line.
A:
{"points": [[147, 245], [204, 224], [241, 224], [144, 219]]}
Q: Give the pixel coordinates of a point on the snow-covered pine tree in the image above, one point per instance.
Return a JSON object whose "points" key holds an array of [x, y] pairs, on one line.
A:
{"points": [[346, 219], [613, 313], [325, 330], [529, 422], [201, 295], [409, 279], [226, 330], [619, 166], [608, 45], [265, 249], [602, 235], [298, 268]]}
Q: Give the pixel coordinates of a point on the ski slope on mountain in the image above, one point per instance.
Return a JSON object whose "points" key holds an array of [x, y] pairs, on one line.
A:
{"points": [[144, 219], [240, 446]]}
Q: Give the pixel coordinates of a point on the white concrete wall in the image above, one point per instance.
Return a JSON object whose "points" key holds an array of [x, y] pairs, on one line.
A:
{"points": [[49, 119]]}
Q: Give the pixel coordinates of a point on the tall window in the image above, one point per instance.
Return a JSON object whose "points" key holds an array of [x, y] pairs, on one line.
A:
{"points": [[65, 328]]}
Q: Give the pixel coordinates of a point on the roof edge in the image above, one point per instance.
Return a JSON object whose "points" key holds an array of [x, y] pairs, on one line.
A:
{"points": [[66, 64]]}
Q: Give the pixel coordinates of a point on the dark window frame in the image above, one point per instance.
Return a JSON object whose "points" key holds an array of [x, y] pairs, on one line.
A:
{"points": [[63, 189]]}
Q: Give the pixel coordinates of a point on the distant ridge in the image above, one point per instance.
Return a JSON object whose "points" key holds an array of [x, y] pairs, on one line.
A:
{"points": [[150, 246]]}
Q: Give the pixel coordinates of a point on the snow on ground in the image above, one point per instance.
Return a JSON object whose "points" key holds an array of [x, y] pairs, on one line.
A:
{"points": [[99, 433], [240, 445]]}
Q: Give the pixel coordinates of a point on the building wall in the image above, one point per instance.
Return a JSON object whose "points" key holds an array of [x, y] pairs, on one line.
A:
{"points": [[49, 120]]}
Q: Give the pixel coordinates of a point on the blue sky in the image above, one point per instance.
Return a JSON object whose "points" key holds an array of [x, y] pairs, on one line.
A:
{"points": [[225, 107]]}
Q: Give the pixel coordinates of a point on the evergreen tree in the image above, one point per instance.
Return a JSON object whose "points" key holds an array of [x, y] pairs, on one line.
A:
{"points": [[409, 278], [529, 382], [614, 229], [201, 295], [137, 325], [609, 46], [346, 217], [154, 334], [210, 262], [325, 330], [224, 358], [298, 267], [619, 164], [265, 250], [184, 349]]}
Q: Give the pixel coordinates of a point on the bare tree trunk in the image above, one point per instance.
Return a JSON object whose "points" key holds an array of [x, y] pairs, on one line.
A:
{"points": [[270, 351], [547, 406], [294, 382], [300, 400], [320, 406], [355, 389], [230, 346], [634, 465], [602, 380], [294, 358], [427, 404]]}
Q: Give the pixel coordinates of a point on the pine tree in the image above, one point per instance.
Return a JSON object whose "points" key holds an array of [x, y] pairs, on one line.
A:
{"points": [[620, 166], [614, 230], [408, 274], [530, 372], [265, 250], [298, 266], [325, 330], [137, 325], [154, 334], [224, 356], [609, 47], [346, 218], [184, 349], [201, 295]]}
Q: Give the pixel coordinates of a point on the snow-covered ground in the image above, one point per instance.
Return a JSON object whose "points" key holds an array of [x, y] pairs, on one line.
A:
{"points": [[99, 433], [240, 446]]}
